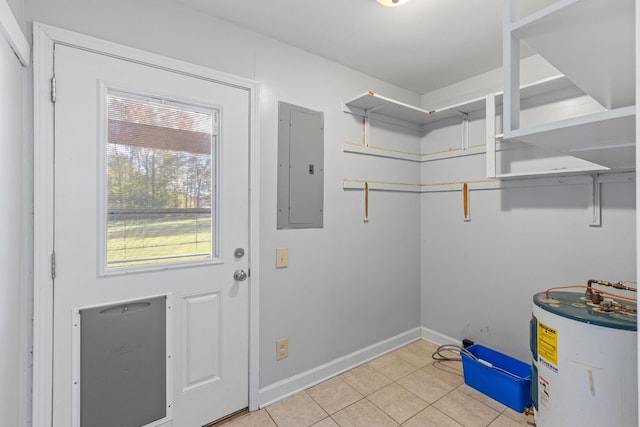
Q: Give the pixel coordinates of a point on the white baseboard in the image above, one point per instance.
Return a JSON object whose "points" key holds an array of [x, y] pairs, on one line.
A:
{"points": [[277, 391], [438, 338]]}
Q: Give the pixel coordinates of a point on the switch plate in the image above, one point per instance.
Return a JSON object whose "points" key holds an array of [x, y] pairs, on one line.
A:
{"points": [[282, 257], [282, 348]]}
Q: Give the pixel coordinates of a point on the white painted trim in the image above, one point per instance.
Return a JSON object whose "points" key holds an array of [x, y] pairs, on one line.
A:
{"points": [[12, 32], [254, 251], [43, 228], [45, 37], [277, 391], [438, 338], [636, 179]]}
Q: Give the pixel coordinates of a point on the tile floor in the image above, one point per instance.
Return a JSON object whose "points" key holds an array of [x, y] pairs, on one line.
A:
{"points": [[405, 387]]}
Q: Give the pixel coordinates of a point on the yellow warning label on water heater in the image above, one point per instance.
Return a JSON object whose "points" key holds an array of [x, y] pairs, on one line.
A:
{"points": [[548, 343]]}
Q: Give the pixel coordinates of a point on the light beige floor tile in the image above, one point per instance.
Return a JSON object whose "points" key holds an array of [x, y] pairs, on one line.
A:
{"points": [[363, 414], [490, 402], [365, 379], [425, 386], [418, 353], [327, 422], [431, 417], [520, 417], [445, 372], [466, 410], [253, 419], [504, 421], [334, 394], [393, 366], [398, 402], [298, 410]]}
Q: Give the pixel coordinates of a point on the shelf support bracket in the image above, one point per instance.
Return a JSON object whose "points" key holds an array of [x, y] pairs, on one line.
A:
{"points": [[366, 130], [594, 202], [465, 202], [366, 202], [490, 133], [465, 132]]}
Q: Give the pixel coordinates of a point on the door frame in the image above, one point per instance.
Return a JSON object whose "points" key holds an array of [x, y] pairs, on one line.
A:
{"points": [[45, 37]]}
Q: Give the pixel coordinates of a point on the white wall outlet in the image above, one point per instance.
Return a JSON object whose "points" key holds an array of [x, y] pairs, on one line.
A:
{"points": [[282, 257], [282, 348]]}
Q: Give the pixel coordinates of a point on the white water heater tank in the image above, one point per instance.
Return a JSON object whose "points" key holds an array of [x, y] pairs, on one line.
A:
{"points": [[584, 370]]}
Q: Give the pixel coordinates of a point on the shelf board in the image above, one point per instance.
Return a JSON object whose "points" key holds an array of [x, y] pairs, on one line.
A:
{"points": [[589, 41], [551, 172], [605, 138], [371, 102]]}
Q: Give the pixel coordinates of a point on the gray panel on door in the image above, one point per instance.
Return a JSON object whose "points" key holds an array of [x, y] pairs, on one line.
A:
{"points": [[300, 167], [123, 361]]}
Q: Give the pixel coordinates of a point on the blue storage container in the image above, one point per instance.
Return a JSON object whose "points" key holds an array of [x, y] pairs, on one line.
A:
{"points": [[511, 388]]}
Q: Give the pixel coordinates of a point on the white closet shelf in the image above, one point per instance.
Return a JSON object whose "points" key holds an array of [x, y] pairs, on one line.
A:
{"points": [[606, 138], [589, 41], [371, 102]]}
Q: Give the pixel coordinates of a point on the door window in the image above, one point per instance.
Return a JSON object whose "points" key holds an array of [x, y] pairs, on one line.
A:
{"points": [[160, 182]]}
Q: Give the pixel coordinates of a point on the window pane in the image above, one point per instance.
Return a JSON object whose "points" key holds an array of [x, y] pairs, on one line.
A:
{"points": [[160, 189]]}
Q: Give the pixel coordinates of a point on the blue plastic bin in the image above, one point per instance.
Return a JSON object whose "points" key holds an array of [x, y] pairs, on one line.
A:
{"points": [[511, 389]]}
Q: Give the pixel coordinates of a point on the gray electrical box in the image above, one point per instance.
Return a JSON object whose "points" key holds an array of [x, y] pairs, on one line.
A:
{"points": [[123, 359], [300, 167]]}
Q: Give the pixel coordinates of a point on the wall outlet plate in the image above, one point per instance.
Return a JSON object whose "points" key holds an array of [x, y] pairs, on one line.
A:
{"points": [[282, 348]]}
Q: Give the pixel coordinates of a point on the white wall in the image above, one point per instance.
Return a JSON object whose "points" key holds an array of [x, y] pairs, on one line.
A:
{"points": [[478, 277], [349, 285], [13, 363]]}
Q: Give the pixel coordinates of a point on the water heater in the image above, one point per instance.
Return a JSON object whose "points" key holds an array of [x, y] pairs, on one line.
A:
{"points": [[584, 369]]}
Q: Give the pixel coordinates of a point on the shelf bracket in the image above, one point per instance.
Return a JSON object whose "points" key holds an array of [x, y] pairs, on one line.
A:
{"points": [[366, 130], [465, 132], [366, 202], [594, 210], [465, 202], [490, 133]]}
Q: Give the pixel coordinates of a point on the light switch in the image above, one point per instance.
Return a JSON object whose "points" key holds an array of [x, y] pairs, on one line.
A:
{"points": [[282, 257]]}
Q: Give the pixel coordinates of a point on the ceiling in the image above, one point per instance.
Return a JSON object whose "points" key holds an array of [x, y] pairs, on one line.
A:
{"points": [[420, 46]]}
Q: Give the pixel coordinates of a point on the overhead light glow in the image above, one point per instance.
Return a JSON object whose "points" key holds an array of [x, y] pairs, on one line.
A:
{"points": [[392, 3]]}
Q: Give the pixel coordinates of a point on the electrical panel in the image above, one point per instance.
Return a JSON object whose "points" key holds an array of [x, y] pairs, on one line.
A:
{"points": [[300, 167]]}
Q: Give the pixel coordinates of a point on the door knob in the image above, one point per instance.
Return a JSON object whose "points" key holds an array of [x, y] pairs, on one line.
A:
{"points": [[240, 275]]}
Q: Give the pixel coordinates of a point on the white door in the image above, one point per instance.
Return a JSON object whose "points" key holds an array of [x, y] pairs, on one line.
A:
{"points": [[151, 204]]}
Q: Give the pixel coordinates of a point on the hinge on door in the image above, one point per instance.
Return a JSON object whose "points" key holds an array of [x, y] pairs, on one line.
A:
{"points": [[53, 89], [53, 265]]}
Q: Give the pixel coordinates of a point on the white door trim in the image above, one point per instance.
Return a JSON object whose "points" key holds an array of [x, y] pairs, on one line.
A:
{"points": [[45, 37]]}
